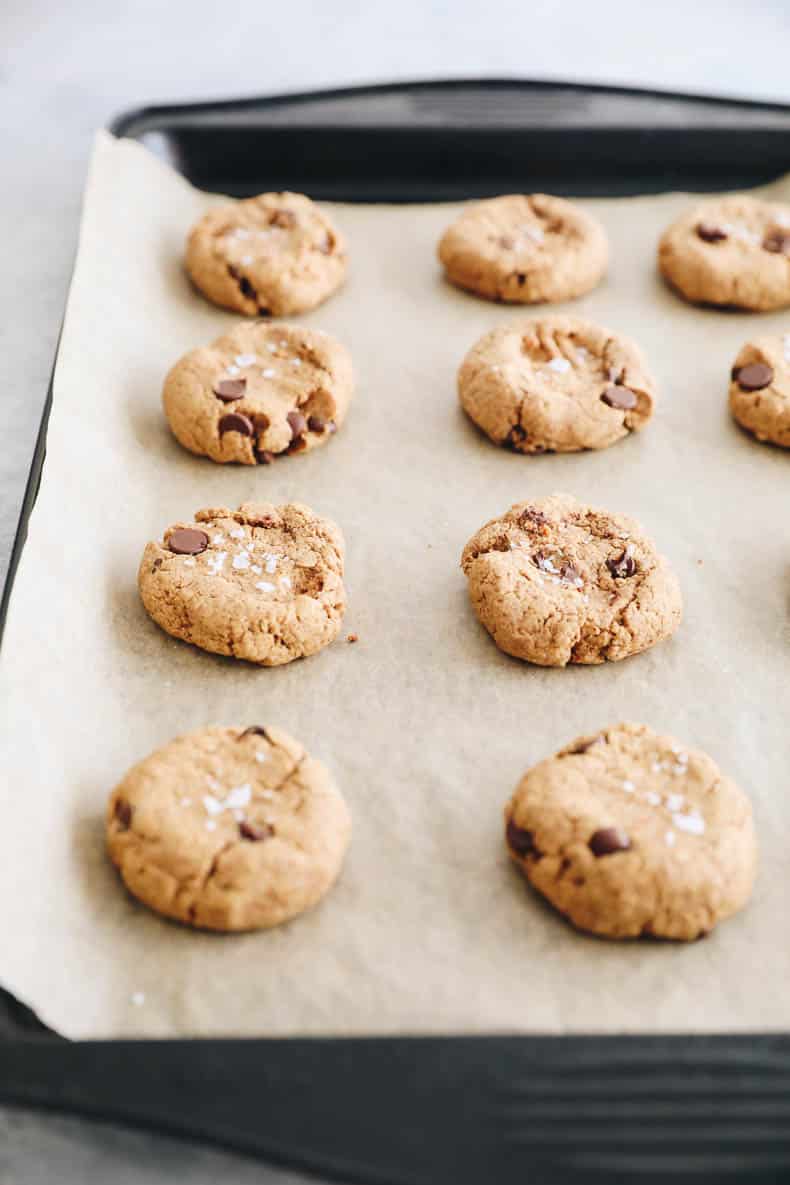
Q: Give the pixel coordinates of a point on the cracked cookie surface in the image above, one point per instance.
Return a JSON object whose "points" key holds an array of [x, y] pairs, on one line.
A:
{"points": [[555, 384], [259, 392], [557, 582], [760, 389], [732, 251], [629, 833], [524, 249], [228, 829], [263, 583], [272, 255]]}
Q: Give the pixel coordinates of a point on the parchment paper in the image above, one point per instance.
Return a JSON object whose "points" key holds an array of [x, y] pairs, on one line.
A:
{"points": [[426, 725]]}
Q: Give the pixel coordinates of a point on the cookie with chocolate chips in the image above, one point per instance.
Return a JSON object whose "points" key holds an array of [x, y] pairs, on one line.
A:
{"points": [[732, 251], [525, 249], [263, 583], [228, 829], [556, 384], [260, 392], [628, 833], [557, 582], [273, 255], [760, 389]]}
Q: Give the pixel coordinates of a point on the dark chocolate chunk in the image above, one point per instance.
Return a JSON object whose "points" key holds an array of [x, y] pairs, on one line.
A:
{"points": [[297, 422], [754, 377], [519, 840], [609, 840], [621, 398], [252, 832], [777, 242], [123, 813], [264, 456], [316, 424], [623, 566], [234, 421], [229, 389], [709, 233], [187, 541]]}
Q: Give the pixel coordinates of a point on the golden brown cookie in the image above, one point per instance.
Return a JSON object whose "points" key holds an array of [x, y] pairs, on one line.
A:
{"points": [[760, 389], [525, 249], [259, 392], [629, 833], [557, 582], [556, 384], [730, 251], [272, 255], [228, 829], [263, 583]]}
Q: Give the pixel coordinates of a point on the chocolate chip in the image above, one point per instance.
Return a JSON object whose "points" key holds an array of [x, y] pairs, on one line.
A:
{"points": [[297, 422], [534, 517], [123, 813], [521, 277], [519, 840], [622, 398], [587, 743], [709, 233], [229, 389], [316, 424], [254, 833], [246, 289], [283, 218], [254, 730], [607, 841], [515, 437], [157, 563], [622, 567], [187, 541], [264, 456], [754, 377], [777, 242], [234, 421]]}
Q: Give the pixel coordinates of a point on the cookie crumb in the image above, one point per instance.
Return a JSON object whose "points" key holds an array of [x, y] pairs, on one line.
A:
{"points": [[352, 638]]}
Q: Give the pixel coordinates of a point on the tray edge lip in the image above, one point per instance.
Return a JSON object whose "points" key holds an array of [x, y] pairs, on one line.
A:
{"points": [[130, 121]]}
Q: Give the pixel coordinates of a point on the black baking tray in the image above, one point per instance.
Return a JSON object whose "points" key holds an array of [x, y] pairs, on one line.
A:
{"points": [[464, 1110]]}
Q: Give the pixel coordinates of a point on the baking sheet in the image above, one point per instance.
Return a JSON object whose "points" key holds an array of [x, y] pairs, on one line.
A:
{"points": [[426, 725]]}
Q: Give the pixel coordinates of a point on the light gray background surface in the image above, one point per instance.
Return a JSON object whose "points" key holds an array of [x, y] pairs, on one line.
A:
{"points": [[67, 68]]}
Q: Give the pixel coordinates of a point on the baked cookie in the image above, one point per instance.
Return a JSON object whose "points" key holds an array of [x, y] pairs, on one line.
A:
{"points": [[760, 389], [556, 582], [263, 583], [272, 255], [259, 392], [730, 251], [525, 249], [630, 833], [555, 384], [228, 829]]}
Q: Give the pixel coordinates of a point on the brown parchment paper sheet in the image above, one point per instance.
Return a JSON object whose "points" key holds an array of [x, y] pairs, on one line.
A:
{"points": [[426, 726]]}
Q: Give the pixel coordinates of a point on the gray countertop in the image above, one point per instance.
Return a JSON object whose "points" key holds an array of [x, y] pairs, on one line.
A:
{"points": [[66, 69]]}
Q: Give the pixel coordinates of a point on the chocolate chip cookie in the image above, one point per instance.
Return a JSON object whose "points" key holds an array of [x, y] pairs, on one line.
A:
{"points": [[629, 833], [731, 251], [556, 384], [260, 392], [228, 829], [525, 249], [272, 255], [263, 583], [556, 582], [760, 389]]}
